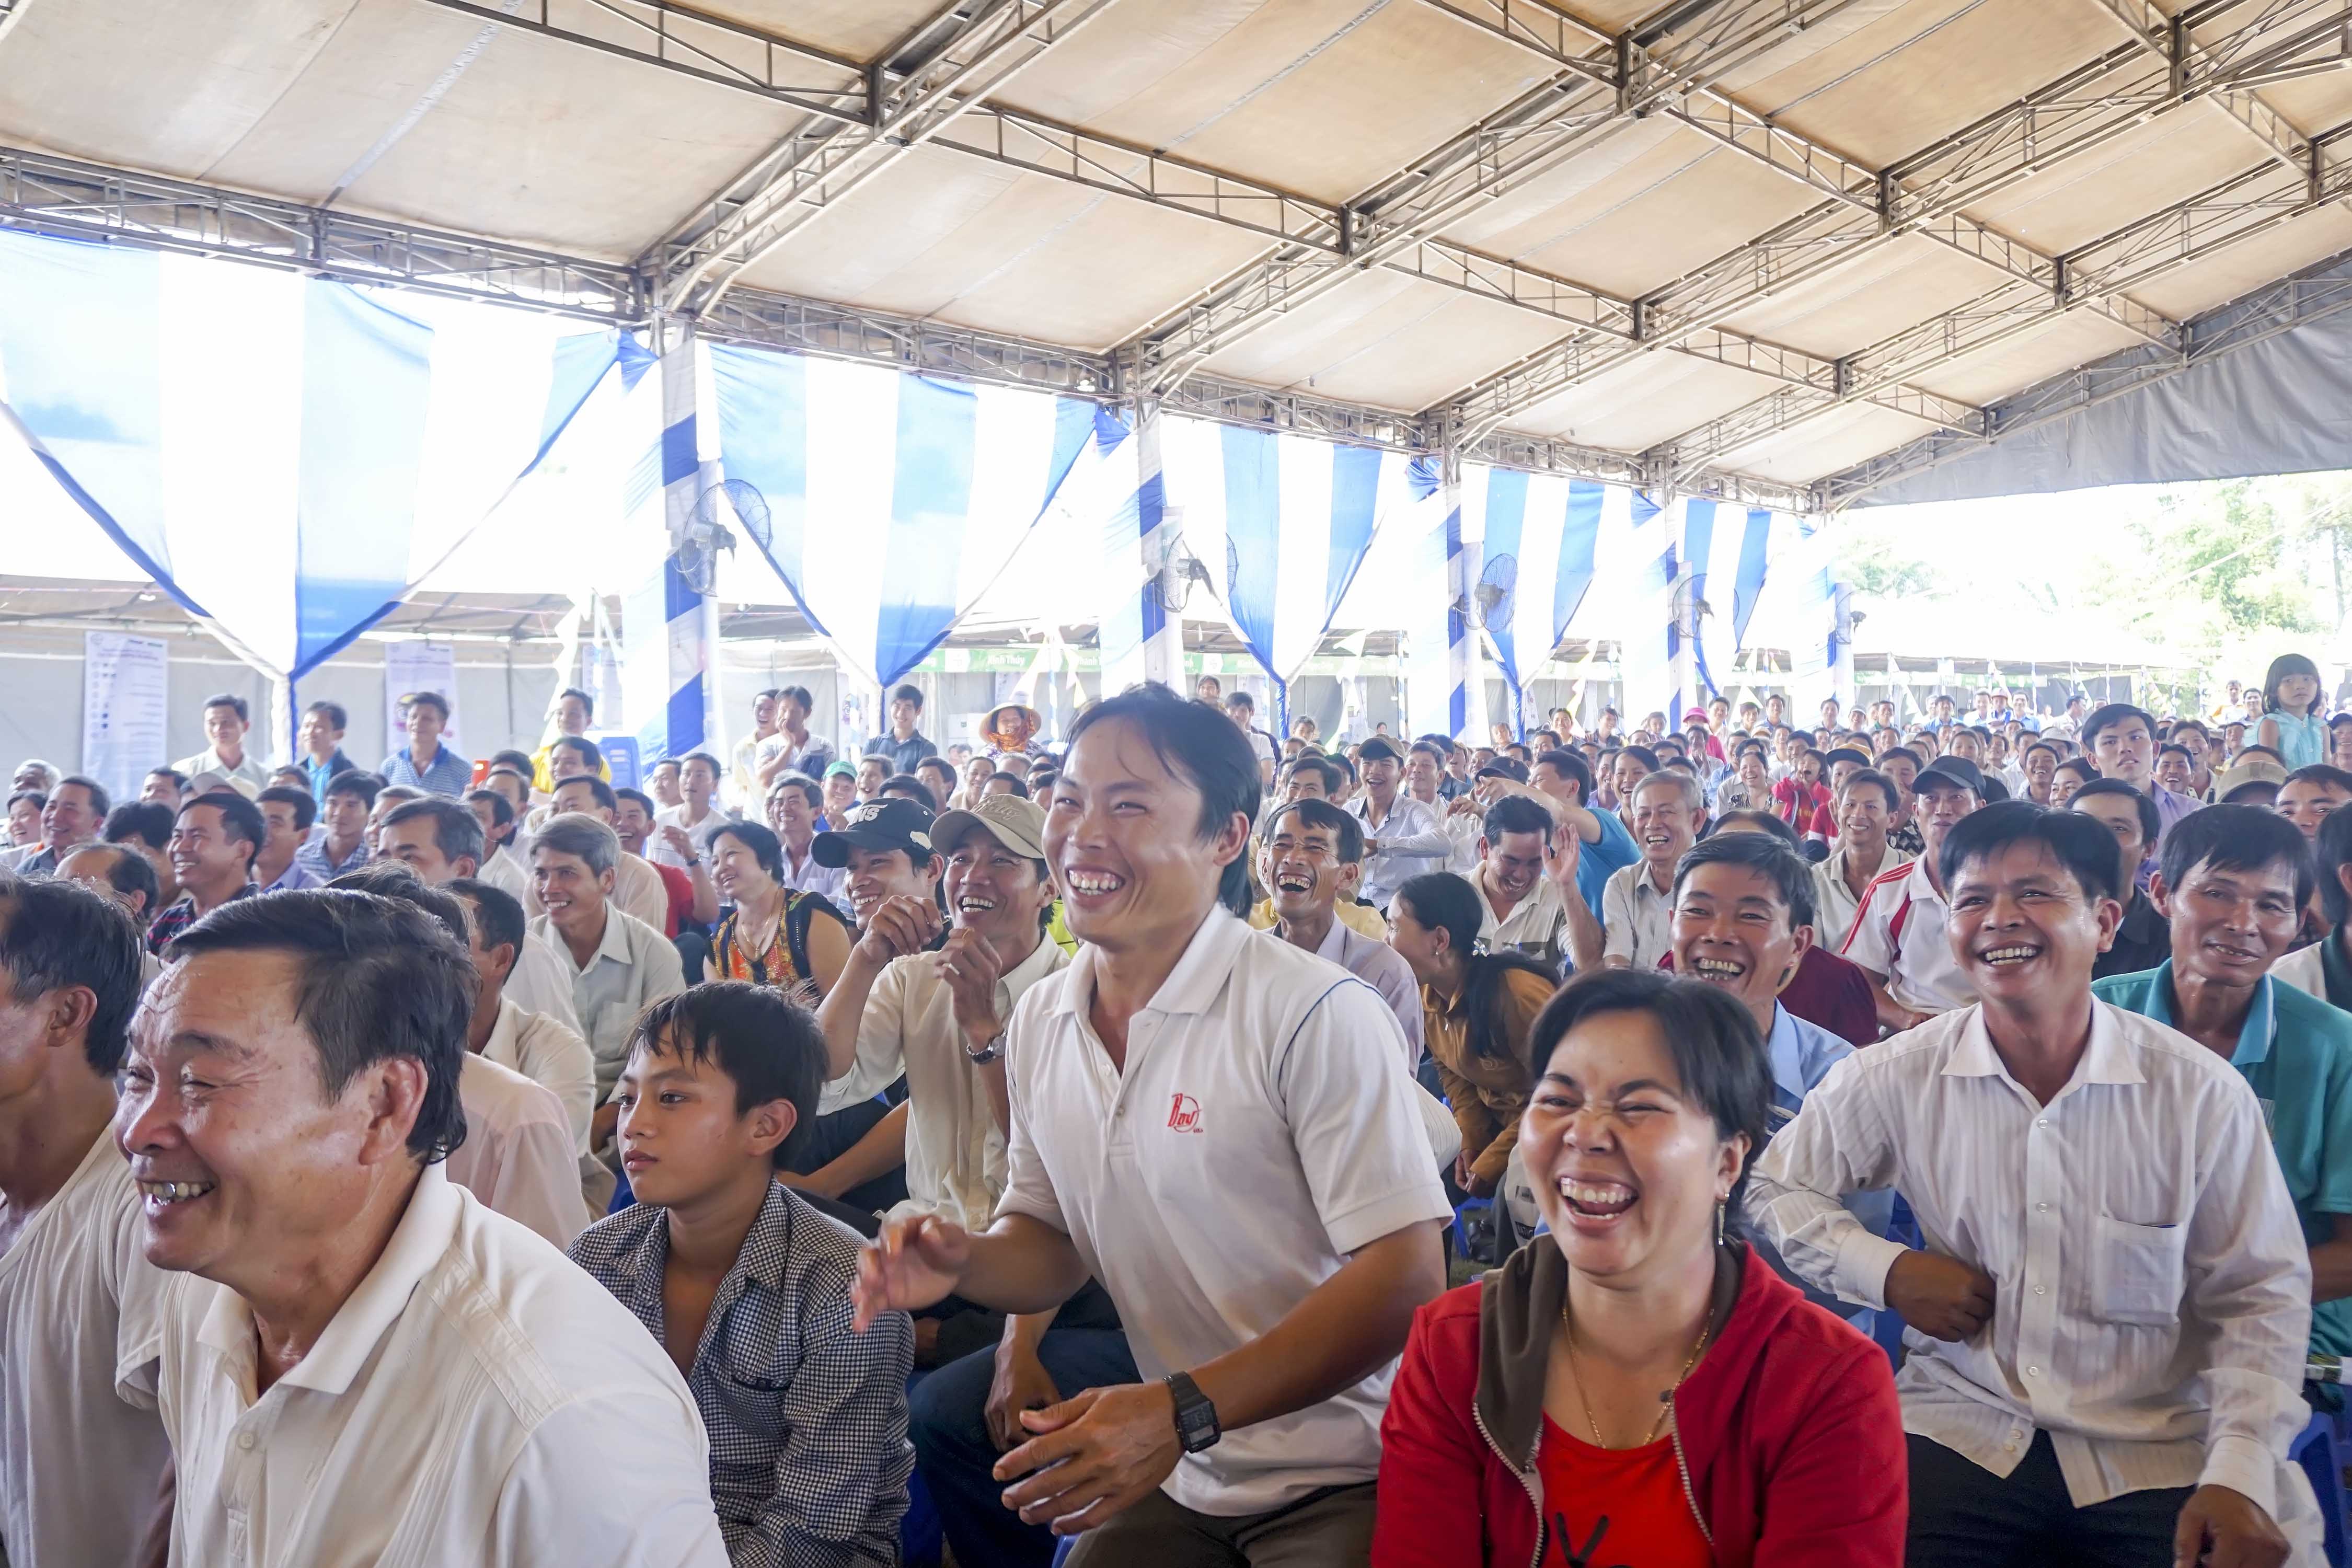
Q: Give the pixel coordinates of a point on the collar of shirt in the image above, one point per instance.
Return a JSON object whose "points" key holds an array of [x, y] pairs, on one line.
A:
{"points": [[502, 1045], [2107, 1059], [1191, 987], [1918, 888], [351, 1337], [1800, 1053], [640, 1270], [2254, 1035], [613, 944], [1334, 945]]}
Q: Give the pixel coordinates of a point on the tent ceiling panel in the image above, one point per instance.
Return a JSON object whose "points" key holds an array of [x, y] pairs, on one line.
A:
{"points": [[1647, 401], [2172, 156], [983, 245], [1905, 81], [1894, 287], [1322, 97], [1385, 339], [2312, 103], [861, 29], [2241, 269], [2075, 338], [1824, 445]]}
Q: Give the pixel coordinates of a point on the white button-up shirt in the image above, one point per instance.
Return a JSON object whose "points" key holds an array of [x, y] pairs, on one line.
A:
{"points": [[1411, 841], [78, 1467], [955, 1155], [550, 1054], [633, 964], [506, 871], [1263, 1130], [2152, 1290], [519, 1155], [1384, 969], [1637, 921], [477, 1400], [541, 983], [808, 877], [1900, 930]]}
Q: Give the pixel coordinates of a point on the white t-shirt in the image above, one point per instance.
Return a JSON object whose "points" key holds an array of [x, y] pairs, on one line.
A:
{"points": [[1263, 1130], [478, 1399], [79, 1468], [518, 1156]]}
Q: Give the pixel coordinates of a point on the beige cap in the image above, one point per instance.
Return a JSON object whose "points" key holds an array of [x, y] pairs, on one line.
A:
{"points": [[1019, 825], [2253, 770]]}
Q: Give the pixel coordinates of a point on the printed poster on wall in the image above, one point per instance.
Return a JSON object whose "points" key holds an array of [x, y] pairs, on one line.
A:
{"points": [[414, 667], [123, 706]]}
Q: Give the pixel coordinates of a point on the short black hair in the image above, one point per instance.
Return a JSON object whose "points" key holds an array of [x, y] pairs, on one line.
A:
{"points": [[99, 802], [909, 786], [337, 719], [598, 790], [770, 1046], [2239, 838], [624, 793], [810, 790], [1334, 776], [2083, 844], [1196, 742], [2335, 848], [1717, 1050], [1568, 765], [358, 782], [377, 978], [304, 804], [1755, 817], [586, 749], [431, 700], [1642, 754], [457, 831], [1763, 853], [907, 693], [586, 701], [240, 818], [2111, 714], [179, 780], [706, 760], [518, 761], [799, 694], [1515, 814], [502, 810], [230, 700], [2320, 773], [1347, 833], [148, 821], [498, 915], [54, 932], [1887, 787], [398, 879], [2150, 825], [128, 871], [764, 846], [1020, 785]]}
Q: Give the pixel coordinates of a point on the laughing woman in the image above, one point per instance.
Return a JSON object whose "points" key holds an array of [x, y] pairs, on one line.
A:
{"points": [[771, 934], [1633, 1386]]}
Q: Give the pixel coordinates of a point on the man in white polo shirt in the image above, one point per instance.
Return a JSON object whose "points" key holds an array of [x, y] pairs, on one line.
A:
{"points": [[1897, 936], [1218, 1126], [363, 1364]]}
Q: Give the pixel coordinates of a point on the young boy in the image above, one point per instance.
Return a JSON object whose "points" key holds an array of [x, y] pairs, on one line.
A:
{"points": [[748, 1287]]}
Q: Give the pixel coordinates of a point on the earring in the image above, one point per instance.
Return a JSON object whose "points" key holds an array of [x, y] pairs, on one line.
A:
{"points": [[1719, 1204]]}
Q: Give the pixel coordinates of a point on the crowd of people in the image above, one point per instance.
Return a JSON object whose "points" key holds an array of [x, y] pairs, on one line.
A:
{"points": [[1914, 1139]]}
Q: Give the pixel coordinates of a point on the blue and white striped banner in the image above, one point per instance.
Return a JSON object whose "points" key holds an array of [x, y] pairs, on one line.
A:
{"points": [[1539, 538], [1433, 691], [893, 499], [1283, 523], [1139, 634], [669, 633], [285, 456]]}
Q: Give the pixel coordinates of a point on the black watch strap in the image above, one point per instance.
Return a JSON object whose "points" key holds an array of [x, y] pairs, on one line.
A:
{"points": [[1196, 1418]]}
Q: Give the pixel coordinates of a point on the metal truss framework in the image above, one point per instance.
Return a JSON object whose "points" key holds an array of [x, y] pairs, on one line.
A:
{"points": [[929, 78], [2309, 296], [1926, 192]]}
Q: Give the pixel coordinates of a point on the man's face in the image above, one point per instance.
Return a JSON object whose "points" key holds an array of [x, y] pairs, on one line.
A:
{"points": [[996, 891], [571, 716], [1549, 780], [2125, 751], [763, 714], [1421, 771], [2021, 928], [1304, 783], [1774, 707], [1731, 929], [1864, 817], [1940, 805], [573, 895], [631, 822], [284, 837], [871, 772], [1882, 712], [576, 795], [903, 715], [93, 867], [2230, 927], [699, 781], [513, 785], [1624, 774], [1301, 868], [2172, 769], [571, 762], [246, 1170], [662, 784], [2122, 819], [1964, 743], [223, 728], [1720, 711], [1663, 824], [840, 794], [1381, 773], [159, 789], [71, 817], [346, 817], [2038, 765], [23, 823], [1123, 841], [1513, 863], [2197, 743], [413, 845], [425, 723], [487, 814], [1943, 707], [790, 815], [1207, 688], [1902, 769], [874, 875], [204, 855], [1242, 714], [318, 734], [2306, 802]]}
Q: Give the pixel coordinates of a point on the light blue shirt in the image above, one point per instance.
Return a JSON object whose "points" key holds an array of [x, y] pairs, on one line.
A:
{"points": [[1598, 861], [1801, 1055]]}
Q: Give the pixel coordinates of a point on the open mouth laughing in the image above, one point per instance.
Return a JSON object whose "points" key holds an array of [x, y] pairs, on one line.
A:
{"points": [[1597, 1202]]}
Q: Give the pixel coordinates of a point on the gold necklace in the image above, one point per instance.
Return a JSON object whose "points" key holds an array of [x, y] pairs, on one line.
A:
{"points": [[1665, 1400]]}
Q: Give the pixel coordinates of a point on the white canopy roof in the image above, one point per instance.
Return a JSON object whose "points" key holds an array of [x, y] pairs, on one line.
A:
{"points": [[1731, 245]]}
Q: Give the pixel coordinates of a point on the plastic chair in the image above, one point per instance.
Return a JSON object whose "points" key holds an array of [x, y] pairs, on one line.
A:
{"points": [[1062, 1553], [2319, 1449], [1475, 1229]]}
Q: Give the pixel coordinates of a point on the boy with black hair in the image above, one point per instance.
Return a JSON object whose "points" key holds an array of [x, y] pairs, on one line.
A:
{"points": [[747, 1287]]}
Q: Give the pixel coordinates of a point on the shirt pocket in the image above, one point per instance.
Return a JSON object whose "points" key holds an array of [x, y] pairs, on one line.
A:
{"points": [[2136, 1271]]}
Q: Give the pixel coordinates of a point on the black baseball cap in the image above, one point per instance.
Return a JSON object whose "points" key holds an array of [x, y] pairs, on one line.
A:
{"points": [[1951, 770], [891, 822], [1509, 768], [1845, 754]]}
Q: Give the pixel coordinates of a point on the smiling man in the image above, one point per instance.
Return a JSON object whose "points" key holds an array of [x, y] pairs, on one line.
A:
{"points": [[359, 1364], [1637, 906], [617, 963], [74, 815], [1183, 1070], [214, 845], [1867, 804], [1402, 837], [1897, 935], [1528, 896], [1312, 857], [2234, 883], [424, 762], [2114, 1299]]}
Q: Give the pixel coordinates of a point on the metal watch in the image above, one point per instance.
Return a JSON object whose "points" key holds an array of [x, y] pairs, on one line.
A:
{"points": [[987, 1053], [1196, 1418]]}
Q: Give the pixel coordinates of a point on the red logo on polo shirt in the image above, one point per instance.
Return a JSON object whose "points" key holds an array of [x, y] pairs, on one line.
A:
{"points": [[1184, 1114]]}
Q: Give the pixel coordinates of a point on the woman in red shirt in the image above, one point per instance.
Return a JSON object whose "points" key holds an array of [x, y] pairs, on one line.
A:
{"points": [[1631, 1388]]}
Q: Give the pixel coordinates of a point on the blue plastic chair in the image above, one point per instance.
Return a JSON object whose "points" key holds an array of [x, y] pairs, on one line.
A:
{"points": [[2319, 1449], [1062, 1553]]}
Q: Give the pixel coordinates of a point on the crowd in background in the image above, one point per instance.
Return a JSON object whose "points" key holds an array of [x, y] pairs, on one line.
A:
{"points": [[1917, 1138]]}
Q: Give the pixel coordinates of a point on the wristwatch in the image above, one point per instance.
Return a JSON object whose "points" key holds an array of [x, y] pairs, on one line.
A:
{"points": [[987, 1053], [1196, 1418]]}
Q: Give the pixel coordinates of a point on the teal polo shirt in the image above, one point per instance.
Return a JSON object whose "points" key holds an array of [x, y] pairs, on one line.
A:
{"points": [[2296, 1051]]}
